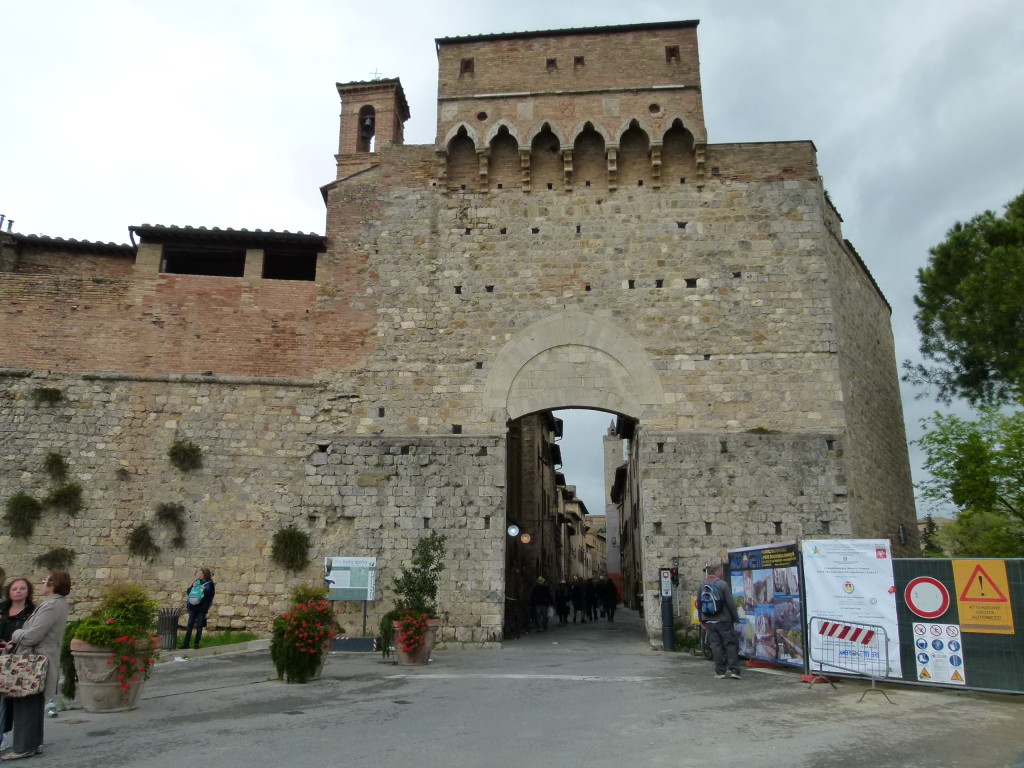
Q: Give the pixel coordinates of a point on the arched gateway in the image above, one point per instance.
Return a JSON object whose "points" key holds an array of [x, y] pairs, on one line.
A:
{"points": [[570, 239]]}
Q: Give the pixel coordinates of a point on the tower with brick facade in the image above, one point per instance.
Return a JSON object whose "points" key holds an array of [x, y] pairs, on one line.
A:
{"points": [[372, 113]]}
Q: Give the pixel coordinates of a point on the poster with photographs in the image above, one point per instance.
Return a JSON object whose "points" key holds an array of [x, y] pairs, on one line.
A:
{"points": [[766, 587]]}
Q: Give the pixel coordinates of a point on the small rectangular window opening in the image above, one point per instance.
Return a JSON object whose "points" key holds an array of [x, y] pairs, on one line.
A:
{"points": [[487, 522], [672, 54], [426, 522], [458, 290], [632, 284], [639, 182], [535, 230], [489, 288], [707, 357], [466, 67], [691, 282], [500, 186], [479, 365], [659, 283], [587, 184], [578, 61], [552, 64], [380, 412], [657, 527], [503, 231], [468, 231], [551, 186], [737, 275], [778, 527], [405, 450], [661, 447], [681, 224], [586, 287], [825, 526], [723, 446], [707, 528], [456, 429], [830, 445], [578, 228]]}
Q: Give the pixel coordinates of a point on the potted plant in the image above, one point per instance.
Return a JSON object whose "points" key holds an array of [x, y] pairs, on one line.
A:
{"points": [[412, 625], [301, 637], [115, 648]]}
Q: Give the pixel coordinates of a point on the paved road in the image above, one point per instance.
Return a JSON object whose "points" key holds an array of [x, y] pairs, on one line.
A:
{"points": [[592, 695]]}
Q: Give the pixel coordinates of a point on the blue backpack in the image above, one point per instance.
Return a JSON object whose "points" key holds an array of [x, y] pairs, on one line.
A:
{"points": [[196, 594], [710, 600]]}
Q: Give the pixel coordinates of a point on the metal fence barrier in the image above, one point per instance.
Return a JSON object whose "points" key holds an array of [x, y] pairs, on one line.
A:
{"points": [[849, 648]]}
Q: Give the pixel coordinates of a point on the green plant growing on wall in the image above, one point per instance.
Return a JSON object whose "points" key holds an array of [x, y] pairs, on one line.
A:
{"points": [[23, 512], [173, 515], [55, 467], [290, 548], [185, 455], [141, 543], [67, 498], [46, 396], [57, 559]]}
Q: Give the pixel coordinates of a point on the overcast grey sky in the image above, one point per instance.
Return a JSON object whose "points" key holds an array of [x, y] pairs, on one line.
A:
{"points": [[225, 113]]}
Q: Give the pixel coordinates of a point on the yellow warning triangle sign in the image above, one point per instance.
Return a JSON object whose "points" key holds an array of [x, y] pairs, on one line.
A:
{"points": [[956, 676], [981, 588], [924, 675]]}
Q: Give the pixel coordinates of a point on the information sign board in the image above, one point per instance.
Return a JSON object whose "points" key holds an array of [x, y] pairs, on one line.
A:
{"points": [[350, 578]]}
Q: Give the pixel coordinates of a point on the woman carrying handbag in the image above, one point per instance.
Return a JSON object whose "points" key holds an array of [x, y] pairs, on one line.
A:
{"points": [[15, 609], [42, 634]]}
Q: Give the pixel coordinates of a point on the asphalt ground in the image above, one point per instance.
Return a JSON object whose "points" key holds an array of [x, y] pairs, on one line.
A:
{"points": [[594, 695]]}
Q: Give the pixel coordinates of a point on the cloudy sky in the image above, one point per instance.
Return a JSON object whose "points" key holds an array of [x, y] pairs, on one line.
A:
{"points": [[225, 114]]}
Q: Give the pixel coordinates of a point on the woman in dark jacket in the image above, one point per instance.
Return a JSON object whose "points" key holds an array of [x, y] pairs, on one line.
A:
{"points": [[42, 634], [204, 586], [16, 607]]}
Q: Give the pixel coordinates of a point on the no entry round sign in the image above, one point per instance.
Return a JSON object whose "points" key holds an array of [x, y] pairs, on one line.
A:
{"points": [[927, 597]]}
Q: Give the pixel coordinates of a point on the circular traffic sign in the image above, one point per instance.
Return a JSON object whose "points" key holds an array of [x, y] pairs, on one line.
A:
{"points": [[927, 597]]}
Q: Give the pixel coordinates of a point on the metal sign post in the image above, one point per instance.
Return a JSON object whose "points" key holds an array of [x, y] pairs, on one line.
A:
{"points": [[667, 636]]}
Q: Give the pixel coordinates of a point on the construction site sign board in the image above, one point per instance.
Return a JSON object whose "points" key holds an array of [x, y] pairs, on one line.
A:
{"points": [[983, 596]]}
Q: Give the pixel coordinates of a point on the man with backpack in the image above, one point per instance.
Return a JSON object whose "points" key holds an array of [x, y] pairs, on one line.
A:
{"points": [[717, 611]]}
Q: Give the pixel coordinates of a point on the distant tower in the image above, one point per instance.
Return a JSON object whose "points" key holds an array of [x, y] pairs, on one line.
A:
{"points": [[373, 115]]}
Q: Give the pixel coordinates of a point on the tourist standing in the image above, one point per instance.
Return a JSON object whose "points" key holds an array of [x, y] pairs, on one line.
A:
{"points": [[42, 634], [717, 612], [15, 609], [198, 599]]}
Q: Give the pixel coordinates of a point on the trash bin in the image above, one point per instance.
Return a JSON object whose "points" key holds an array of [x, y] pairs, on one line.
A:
{"points": [[167, 626]]}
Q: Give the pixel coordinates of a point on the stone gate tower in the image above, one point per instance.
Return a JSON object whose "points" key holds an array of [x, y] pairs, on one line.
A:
{"points": [[571, 239]]}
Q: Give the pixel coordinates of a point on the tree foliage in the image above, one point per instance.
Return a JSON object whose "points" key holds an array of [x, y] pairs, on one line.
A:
{"points": [[970, 311], [978, 467]]}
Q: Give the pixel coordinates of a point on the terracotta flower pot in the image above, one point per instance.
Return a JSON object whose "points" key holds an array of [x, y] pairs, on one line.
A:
{"points": [[98, 686], [420, 655]]}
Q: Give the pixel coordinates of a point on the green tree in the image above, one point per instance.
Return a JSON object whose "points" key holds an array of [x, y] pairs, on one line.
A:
{"points": [[970, 311], [978, 467], [931, 546]]}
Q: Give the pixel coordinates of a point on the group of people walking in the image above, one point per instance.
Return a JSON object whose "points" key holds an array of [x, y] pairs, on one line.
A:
{"points": [[586, 599]]}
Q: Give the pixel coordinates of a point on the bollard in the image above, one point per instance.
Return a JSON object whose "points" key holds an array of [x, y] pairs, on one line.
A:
{"points": [[167, 626]]}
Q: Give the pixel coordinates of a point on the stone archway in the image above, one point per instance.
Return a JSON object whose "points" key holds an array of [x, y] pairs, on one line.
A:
{"points": [[572, 359], [567, 360]]}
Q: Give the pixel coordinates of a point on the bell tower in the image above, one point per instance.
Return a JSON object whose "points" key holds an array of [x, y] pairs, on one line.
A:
{"points": [[373, 115]]}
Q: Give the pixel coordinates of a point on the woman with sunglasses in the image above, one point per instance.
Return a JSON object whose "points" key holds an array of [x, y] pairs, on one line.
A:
{"points": [[15, 609], [41, 634]]}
